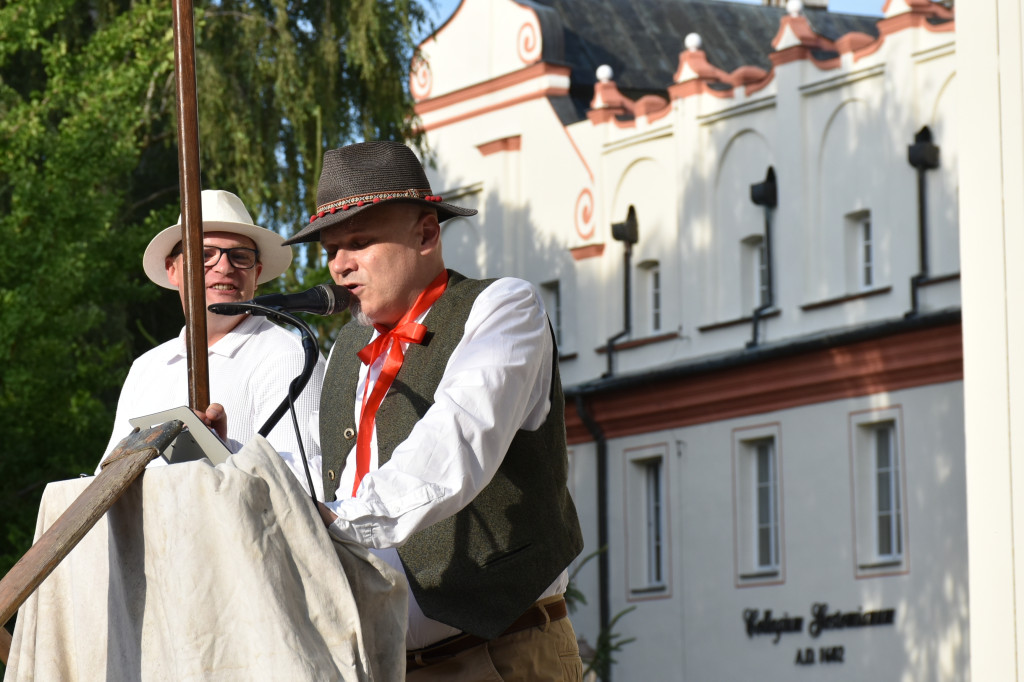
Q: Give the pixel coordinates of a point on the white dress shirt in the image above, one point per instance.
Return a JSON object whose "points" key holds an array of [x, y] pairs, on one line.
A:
{"points": [[250, 369], [497, 382]]}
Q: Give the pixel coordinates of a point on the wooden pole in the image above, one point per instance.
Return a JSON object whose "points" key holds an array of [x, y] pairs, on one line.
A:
{"points": [[191, 207]]}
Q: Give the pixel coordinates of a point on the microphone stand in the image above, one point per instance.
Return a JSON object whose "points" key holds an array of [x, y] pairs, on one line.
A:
{"points": [[312, 355]]}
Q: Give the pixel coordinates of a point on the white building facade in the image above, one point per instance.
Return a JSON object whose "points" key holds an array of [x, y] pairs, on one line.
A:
{"points": [[747, 242]]}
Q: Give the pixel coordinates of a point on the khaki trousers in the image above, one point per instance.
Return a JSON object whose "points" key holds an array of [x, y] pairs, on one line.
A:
{"points": [[547, 653]]}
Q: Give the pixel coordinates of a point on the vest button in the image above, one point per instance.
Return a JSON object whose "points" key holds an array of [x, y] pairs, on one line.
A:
{"points": [[350, 434], [330, 474]]}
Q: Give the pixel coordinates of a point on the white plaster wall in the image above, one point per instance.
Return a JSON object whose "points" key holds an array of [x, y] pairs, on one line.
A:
{"points": [[744, 160], [699, 630], [943, 184]]}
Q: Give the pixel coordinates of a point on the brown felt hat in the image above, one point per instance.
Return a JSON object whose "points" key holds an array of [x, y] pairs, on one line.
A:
{"points": [[360, 176]]}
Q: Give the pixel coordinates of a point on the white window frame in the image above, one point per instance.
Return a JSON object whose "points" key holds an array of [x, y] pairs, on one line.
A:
{"points": [[759, 538], [654, 492], [647, 521], [878, 498], [766, 505], [650, 296], [888, 500], [862, 248], [754, 274], [551, 293]]}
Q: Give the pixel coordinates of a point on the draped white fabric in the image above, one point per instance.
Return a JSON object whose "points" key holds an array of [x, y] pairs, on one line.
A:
{"points": [[211, 573]]}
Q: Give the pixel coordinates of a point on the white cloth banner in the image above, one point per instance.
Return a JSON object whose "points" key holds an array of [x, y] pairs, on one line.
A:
{"points": [[211, 573]]}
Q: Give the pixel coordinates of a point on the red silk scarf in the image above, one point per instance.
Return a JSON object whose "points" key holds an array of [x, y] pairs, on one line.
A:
{"points": [[390, 341]]}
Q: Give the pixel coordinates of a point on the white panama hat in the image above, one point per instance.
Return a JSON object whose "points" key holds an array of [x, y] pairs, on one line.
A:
{"points": [[222, 212]]}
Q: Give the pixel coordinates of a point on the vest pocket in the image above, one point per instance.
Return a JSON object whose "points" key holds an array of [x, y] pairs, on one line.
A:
{"points": [[496, 559]]}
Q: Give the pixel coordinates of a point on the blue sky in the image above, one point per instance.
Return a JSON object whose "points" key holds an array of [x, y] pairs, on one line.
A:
{"points": [[445, 8]]}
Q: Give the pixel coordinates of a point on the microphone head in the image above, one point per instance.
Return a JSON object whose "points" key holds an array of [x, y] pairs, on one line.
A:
{"points": [[338, 297]]}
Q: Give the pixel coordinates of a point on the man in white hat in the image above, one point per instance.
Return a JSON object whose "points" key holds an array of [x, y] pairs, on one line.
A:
{"points": [[251, 360]]}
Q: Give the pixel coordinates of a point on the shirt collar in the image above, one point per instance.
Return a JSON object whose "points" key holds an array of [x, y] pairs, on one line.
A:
{"points": [[228, 344]]}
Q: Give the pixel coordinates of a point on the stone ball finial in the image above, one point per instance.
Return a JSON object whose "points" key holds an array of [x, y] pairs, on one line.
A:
{"points": [[604, 73], [693, 42], [795, 8]]}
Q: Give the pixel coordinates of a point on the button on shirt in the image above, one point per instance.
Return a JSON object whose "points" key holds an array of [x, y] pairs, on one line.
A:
{"points": [[250, 370], [497, 381]]}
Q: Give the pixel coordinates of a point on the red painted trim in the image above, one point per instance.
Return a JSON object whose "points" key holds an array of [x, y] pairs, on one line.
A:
{"points": [[697, 87], [421, 78], [528, 44], [540, 94], [583, 214], [686, 89], [861, 45], [751, 77], [576, 148], [853, 41], [494, 85], [649, 105], [906, 360], [660, 114], [790, 54], [607, 96], [599, 116], [901, 22], [505, 144], [582, 253], [803, 32], [868, 49], [761, 85]]}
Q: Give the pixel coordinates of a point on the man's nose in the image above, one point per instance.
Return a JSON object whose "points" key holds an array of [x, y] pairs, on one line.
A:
{"points": [[342, 263]]}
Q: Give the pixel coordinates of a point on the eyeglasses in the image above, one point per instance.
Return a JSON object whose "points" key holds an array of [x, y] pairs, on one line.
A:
{"points": [[239, 256]]}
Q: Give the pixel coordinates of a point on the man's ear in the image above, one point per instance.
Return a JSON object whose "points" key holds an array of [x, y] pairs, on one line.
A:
{"points": [[171, 265], [430, 231]]}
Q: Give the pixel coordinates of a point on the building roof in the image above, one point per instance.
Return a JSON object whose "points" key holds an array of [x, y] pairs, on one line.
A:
{"points": [[641, 39]]}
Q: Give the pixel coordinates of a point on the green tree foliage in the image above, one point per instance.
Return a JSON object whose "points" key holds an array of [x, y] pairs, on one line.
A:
{"points": [[88, 174]]}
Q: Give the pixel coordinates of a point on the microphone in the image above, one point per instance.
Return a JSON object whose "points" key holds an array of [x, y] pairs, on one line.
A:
{"points": [[323, 299]]}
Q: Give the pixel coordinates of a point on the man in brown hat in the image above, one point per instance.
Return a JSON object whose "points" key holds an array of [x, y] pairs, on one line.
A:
{"points": [[251, 360], [442, 429]]}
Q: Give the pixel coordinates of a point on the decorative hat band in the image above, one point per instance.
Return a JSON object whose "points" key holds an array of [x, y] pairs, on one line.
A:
{"points": [[375, 198]]}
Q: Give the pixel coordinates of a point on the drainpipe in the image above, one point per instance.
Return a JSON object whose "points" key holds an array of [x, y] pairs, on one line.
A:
{"points": [[765, 194], [604, 605], [625, 232], [922, 155]]}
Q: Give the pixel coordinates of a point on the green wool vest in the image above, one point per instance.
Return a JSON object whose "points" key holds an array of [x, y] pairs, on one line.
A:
{"points": [[483, 567]]}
